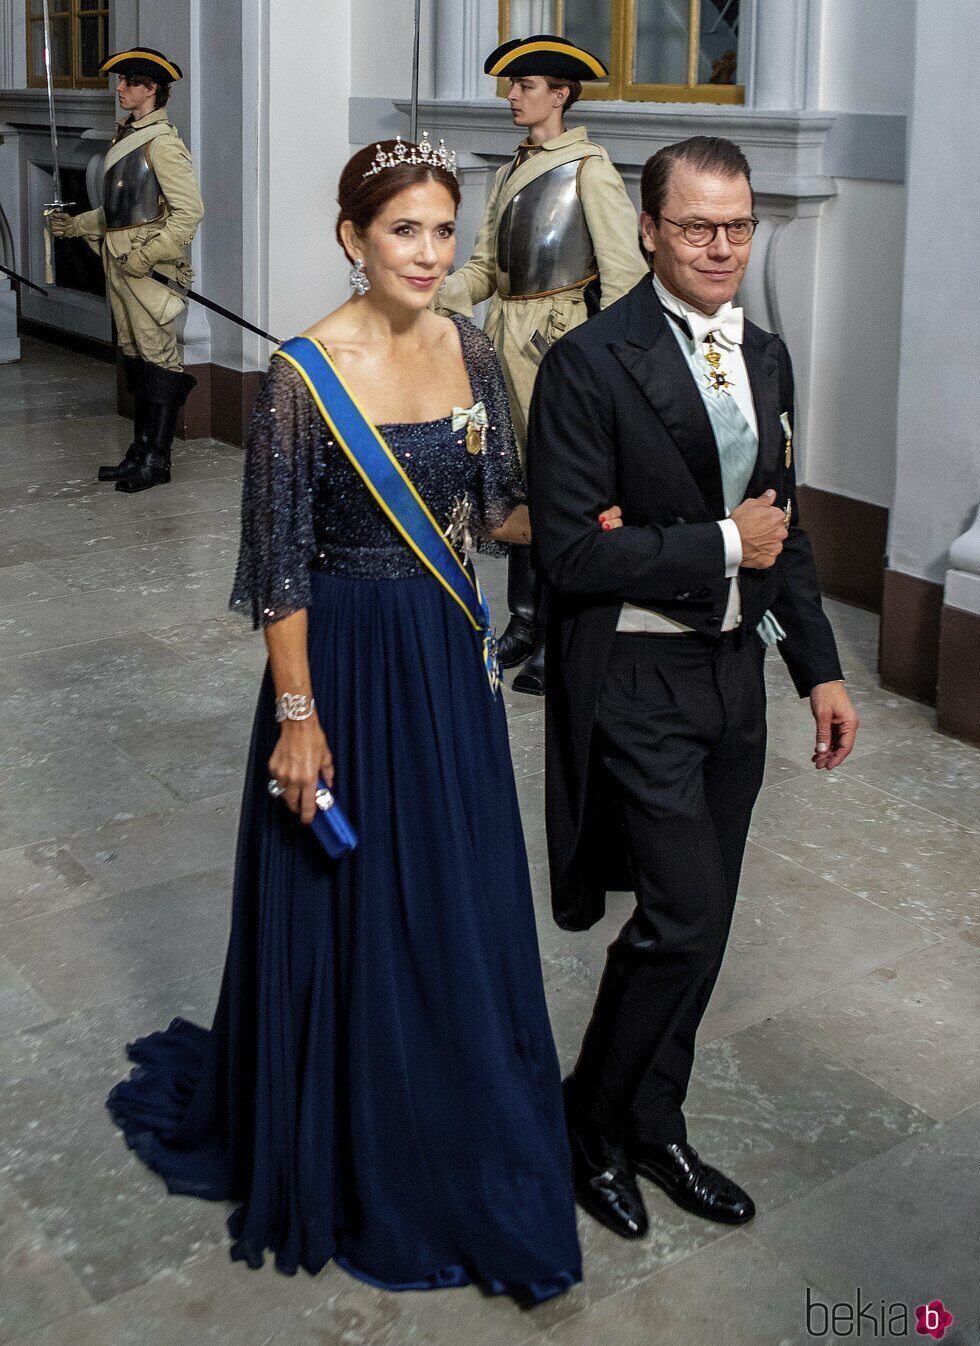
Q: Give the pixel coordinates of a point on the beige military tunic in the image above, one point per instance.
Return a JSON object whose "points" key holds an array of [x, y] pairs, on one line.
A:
{"points": [[512, 322], [146, 311]]}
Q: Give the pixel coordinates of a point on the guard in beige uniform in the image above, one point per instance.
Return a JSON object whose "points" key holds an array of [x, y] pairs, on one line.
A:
{"points": [[559, 240], [151, 207]]}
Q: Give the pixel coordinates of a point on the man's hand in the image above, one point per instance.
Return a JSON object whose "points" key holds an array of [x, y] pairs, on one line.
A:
{"points": [[61, 224], [762, 528], [837, 724]]}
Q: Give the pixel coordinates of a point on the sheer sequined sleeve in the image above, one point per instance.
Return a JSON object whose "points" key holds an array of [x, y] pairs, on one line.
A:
{"points": [[278, 540], [500, 485]]}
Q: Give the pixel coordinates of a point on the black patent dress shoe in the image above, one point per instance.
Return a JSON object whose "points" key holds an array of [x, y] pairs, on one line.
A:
{"points": [[604, 1185], [516, 643], [531, 677], [692, 1183]]}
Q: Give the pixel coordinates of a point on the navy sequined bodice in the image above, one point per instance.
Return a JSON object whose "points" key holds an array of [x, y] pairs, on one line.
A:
{"points": [[304, 506]]}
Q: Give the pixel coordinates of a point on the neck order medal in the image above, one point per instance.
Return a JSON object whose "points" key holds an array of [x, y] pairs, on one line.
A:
{"points": [[718, 380]]}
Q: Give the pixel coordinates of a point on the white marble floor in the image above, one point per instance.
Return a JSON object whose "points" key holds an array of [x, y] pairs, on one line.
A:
{"points": [[838, 1074]]}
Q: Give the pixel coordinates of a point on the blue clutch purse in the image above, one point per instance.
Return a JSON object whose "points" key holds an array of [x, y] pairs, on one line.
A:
{"points": [[331, 826]]}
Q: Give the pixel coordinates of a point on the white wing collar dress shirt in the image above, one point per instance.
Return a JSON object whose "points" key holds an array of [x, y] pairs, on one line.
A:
{"points": [[725, 325]]}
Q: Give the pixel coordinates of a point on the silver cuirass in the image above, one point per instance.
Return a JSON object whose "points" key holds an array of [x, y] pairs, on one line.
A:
{"points": [[543, 243], [131, 194]]}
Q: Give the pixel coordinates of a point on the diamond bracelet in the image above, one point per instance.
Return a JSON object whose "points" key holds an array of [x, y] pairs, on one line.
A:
{"points": [[294, 706]]}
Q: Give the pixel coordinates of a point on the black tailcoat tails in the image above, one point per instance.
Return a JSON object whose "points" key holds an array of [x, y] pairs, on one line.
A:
{"points": [[618, 419]]}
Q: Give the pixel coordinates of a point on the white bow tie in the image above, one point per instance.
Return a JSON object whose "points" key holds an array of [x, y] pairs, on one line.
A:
{"points": [[726, 326]]}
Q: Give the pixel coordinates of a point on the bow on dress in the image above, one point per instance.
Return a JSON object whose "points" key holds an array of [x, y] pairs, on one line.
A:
{"points": [[476, 422]]}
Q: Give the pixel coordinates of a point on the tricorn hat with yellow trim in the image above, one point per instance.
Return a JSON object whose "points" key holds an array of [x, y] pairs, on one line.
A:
{"points": [[544, 54], [142, 61]]}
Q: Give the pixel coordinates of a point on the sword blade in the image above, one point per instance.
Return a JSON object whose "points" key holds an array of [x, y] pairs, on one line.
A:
{"points": [[22, 280], [215, 308], [414, 136], [49, 72]]}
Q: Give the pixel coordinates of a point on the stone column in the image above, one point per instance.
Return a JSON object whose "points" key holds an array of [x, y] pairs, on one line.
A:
{"points": [[464, 34], [778, 52], [938, 450]]}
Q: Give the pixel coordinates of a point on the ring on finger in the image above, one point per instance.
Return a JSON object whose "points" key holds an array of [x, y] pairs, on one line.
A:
{"points": [[275, 789]]}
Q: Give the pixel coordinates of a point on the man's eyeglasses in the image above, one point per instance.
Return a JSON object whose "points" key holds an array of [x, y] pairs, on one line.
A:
{"points": [[699, 233]]}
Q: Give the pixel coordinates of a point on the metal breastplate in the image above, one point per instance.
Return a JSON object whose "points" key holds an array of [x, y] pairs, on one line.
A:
{"points": [[131, 193], [543, 242]]}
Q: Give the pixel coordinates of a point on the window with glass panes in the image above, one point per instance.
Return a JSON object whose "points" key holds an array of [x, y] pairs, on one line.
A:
{"points": [[79, 42], [670, 51]]}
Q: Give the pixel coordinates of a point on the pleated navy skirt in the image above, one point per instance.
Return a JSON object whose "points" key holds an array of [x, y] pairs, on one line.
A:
{"points": [[380, 1084]]}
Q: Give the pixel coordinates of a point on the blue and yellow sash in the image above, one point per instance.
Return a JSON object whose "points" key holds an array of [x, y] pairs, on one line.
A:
{"points": [[382, 474]]}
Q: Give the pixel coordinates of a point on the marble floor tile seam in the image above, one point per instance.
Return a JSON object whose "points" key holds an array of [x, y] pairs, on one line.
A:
{"points": [[848, 1067], [221, 874], [829, 987], [217, 578], [861, 894], [880, 789], [159, 514], [951, 823], [126, 629], [98, 893], [167, 548], [68, 840], [553, 1336], [105, 1002]]}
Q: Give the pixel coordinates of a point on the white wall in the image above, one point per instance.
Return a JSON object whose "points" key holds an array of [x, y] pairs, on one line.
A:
{"points": [[865, 65], [381, 49], [938, 466], [857, 298], [308, 147], [866, 54]]}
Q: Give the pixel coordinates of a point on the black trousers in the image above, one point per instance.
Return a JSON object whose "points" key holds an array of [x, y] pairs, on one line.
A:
{"points": [[680, 738]]}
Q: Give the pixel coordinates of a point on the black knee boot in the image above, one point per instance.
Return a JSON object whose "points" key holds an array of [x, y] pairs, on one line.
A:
{"points": [[133, 368], [530, 679], [517, 641], [166, 392]]}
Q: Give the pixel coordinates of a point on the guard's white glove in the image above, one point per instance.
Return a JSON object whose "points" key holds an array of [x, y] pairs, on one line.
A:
{"points": [[62, 225]]}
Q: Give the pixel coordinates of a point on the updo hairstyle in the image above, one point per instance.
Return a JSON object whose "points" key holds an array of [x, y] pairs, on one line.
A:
{"points": [[362, 199]]}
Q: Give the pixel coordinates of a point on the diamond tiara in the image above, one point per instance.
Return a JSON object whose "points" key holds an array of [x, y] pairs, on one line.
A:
{"points": [[422, 153]]}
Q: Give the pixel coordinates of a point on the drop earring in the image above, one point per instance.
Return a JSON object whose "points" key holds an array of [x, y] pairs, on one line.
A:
{"points": [[358, 278]]}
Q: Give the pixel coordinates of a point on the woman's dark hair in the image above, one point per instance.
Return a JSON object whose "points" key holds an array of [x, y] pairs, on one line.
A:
{"points": [[362, 199], [574, 87], [705, 154]]}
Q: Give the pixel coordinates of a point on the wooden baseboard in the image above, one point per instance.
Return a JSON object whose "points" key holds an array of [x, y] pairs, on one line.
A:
{"points": [[957, 689], [849, 539], [908, 651], [219, 405], [72, 341]]}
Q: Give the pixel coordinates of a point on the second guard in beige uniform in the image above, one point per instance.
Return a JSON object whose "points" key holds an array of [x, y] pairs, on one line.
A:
{"points": [[151, 208], [559, 239]]}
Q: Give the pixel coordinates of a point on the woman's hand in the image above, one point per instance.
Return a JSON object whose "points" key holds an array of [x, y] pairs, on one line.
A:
{"points": [[300, 757], [611, 518]]}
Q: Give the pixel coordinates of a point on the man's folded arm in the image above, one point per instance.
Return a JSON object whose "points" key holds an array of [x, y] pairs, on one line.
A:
{"points": [[572, 478]]}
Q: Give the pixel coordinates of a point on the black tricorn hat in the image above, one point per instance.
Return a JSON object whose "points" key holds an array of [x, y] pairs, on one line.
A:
{"points": [[544, 54], [142, 61]]}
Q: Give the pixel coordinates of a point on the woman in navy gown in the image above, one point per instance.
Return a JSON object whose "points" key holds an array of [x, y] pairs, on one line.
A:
{"points": [[380, 1084]]}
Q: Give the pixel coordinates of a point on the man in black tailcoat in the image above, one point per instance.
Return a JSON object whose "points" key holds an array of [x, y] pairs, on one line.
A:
{"points": [[673, 406]]}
